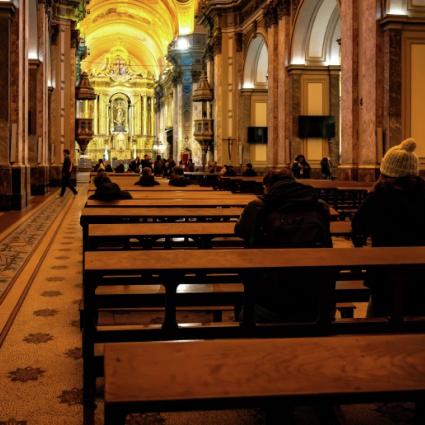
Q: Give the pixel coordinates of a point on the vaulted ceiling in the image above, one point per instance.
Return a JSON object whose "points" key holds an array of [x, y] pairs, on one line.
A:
{"points": [[143, 27]]}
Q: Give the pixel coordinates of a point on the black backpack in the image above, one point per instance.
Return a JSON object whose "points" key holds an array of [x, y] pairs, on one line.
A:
{"points": [[295, 226]]}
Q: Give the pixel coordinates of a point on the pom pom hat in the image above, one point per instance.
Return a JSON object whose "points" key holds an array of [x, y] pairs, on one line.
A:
{"points": [[400, 160]]}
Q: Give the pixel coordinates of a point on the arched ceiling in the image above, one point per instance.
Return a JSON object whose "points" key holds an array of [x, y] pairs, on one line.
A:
{"points": [[143, 27]]}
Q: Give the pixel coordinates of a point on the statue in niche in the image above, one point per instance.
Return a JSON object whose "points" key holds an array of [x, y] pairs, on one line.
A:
{"points": [[119, 115]]}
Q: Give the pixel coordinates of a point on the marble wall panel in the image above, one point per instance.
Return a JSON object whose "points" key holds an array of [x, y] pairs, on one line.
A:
{"points": [[295, 106], [4, 88]]}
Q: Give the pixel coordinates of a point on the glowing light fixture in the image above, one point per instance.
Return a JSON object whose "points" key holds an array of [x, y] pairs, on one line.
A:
{"points": [[182, 44]]}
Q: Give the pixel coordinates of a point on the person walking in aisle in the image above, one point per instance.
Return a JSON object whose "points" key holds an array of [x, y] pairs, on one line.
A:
{"points": [[66, 174]]}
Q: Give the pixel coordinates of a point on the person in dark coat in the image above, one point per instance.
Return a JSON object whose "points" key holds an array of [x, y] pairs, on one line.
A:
{"points": [[120, 168], [393, 214], [297, 299], [169, 165], [147, 179], [146, 162], [326, 169], [301, 168], [134, 165], [101, 178], [178, 178], [249, 171], [159, 166], [66, 174], [190, 166], [110, 192]]}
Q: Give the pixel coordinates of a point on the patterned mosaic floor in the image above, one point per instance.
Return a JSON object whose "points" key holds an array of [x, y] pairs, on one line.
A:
{"points": [[40, 359]]}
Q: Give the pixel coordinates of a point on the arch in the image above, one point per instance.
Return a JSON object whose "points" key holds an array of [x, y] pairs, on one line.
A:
{"points": [[256, 64], [316, 31]]}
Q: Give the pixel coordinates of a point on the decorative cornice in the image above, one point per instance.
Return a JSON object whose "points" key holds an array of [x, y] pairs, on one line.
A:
{"points": [[7, 9], [275, 11]]}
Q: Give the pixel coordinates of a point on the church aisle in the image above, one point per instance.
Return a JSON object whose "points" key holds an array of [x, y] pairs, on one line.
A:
{"points": [[41, 365]]}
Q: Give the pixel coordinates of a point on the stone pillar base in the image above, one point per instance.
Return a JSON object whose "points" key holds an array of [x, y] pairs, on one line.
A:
{"points": [[347, 172], [39, 180], [56, 176], [358, 173], [369, 174]]}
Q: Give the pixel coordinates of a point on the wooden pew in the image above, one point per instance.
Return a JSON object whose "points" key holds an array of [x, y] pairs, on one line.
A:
{"points": [[134, 215], [163, 186], [201, 233], [178, 194], [173, 266], [171, 203], [205, 375]]}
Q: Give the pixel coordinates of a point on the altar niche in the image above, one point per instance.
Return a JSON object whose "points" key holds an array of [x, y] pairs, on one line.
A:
{"points": [[119, 114]]}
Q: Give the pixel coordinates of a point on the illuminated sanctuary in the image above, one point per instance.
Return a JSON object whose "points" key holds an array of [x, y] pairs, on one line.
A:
{"points": [[257, 81], [123, 108]]}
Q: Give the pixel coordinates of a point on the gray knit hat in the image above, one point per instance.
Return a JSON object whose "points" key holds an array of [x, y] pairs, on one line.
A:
{"points": [[400, 160]]}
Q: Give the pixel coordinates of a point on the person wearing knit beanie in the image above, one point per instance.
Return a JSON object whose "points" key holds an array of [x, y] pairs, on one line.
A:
{"points": [[393, 214], [400, 160]]}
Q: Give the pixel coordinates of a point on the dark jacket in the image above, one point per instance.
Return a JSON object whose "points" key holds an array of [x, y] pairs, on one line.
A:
{"points": [[147, 181], [249, 173], [295, 299], [394, 216], [296, 170], [134, 166], [66, 166], [180, 181], [159, 167], [144, 164], [110, 192]]}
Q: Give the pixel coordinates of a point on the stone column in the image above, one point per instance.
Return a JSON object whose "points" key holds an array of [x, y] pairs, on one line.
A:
{"points": [[334, 110], [347, 169], [20, 194], [367, 154], [7, 11], [295, 147], [392, 62], [40, 181], [145, 115], [277, 21]]}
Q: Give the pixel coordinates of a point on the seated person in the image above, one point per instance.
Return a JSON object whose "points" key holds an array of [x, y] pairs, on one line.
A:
{"points": [[108, 168], [110, 192], [393, 214], [147, 179], [120, 168], [169, 165], [212, 166], [230, 171], [146, 162], [134, 165], [100, 165], [101, 178], [301, 168], [249, 171], [261, 225], [159, 166], [178, 178], [191, 166]]}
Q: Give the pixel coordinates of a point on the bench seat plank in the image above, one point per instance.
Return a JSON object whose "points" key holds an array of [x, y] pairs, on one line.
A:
{"points": [[170, 373]]}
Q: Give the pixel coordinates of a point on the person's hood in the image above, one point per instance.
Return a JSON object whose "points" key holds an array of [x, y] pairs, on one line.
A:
{"points": [[108, 192], [289, 192]]}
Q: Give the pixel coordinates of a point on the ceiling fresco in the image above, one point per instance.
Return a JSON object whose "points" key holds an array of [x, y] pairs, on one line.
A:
{"points": [[143, 27]]}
